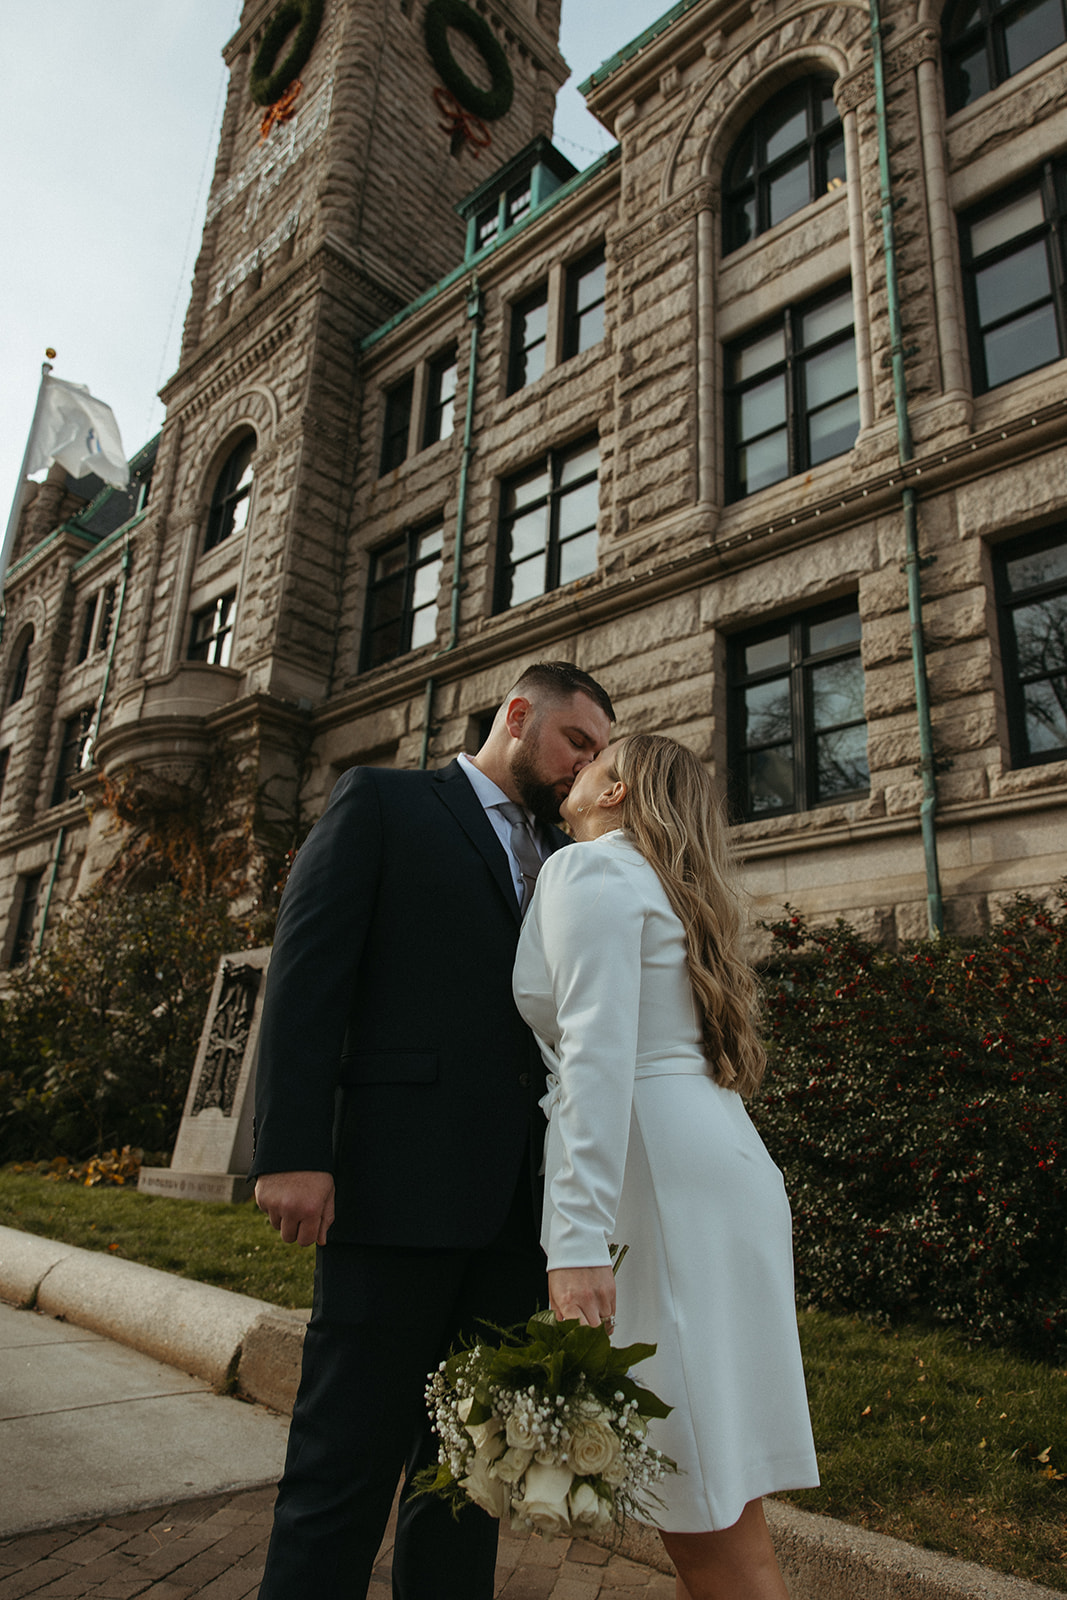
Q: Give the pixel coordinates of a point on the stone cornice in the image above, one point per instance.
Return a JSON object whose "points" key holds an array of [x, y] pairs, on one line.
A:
{"points": [[903, 55], [703, 196]]}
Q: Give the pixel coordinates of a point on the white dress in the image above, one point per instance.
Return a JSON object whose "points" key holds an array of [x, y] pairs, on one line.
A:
{"points": [[644, 1149]]}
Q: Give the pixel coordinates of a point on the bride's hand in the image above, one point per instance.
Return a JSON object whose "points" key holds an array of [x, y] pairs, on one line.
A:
{"points": [[587, 1293]]}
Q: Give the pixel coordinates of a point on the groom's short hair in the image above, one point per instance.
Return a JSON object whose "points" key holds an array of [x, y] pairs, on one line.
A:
{"points": [[558, 680]]}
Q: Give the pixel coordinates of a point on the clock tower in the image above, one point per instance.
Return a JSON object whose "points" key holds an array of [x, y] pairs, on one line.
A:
{"points": [[351, 131]]}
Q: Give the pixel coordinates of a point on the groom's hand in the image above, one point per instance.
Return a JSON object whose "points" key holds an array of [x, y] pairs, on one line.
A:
{"points": [[587, 1293], [299, 1204]]}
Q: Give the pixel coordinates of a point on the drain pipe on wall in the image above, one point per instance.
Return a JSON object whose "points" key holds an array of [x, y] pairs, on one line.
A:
{"points": [[913, 563], [474, 316]]}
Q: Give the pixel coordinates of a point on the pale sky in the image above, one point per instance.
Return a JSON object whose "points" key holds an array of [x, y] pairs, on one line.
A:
{"points": [[110, 129]]}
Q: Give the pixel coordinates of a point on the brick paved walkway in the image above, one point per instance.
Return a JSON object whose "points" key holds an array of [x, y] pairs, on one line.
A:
{"points": [[214, 1549]]}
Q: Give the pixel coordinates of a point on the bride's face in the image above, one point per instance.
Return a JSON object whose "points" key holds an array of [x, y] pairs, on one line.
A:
{"points": [[580, 810]]}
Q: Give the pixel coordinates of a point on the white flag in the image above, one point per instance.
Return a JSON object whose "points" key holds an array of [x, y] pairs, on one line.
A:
{"points": [[78, 431]]}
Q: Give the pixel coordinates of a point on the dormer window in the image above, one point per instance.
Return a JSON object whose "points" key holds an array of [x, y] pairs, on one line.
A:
{"points": [[509, 196]]}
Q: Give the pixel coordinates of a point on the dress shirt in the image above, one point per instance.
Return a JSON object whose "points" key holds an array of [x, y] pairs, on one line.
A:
{"points": [[491, 796]]}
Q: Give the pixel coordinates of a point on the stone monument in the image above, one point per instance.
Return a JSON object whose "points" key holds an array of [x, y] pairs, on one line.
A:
{"points": [[213, 1151]]}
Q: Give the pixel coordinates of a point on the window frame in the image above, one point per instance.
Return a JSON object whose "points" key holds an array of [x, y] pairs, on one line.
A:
{"points": [[396, 424], [21, 672], [792, 368], [573, 312], [989, 32], [1008, 601], [440, 405], [519, 346], [219, 641], [1049, 180], [73, 745], [554, 464], [97, 618], [818, 139], [406, 579], [802, 663], [230, 492], [29, 905]]}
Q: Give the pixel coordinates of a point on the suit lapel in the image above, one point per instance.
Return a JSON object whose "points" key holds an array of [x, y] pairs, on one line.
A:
{"points": [[454, 789]]}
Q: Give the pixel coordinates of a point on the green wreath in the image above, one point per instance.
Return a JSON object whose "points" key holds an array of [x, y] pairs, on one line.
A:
{"points": [[485, 103], [266, 82]]}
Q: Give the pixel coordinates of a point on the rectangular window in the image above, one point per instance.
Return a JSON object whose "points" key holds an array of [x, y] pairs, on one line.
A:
{"points": [[548, 524], [1013, 279], [792, 398], [5, 756], [529, 339], [22, 947], [73, 754], [212, 633], [798, 736], [440, 399], [1031, 578], [402, 598], [583, 309], [397, 424]]}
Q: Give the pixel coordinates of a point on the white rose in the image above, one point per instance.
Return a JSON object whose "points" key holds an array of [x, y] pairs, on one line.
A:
{"points": [[486, 1490], [491, 1445], [593, 1448], [544, 1504], [520, 1432], [584, 1501], [512, 1464], [480, 1431], [616, 1471]]}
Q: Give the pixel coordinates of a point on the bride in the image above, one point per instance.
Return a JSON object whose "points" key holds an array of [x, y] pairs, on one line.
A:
{"points": [[630, 973]]}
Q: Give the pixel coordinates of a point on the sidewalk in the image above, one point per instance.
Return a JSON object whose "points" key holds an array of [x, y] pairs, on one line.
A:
{"points": [[126, 1472]]}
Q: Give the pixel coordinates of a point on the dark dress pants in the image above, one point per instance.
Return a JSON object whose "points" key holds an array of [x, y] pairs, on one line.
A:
{"points": [[382, 1321]]}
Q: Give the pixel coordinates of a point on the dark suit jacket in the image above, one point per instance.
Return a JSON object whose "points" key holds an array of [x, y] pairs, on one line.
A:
{"points": [[390, 1050]]}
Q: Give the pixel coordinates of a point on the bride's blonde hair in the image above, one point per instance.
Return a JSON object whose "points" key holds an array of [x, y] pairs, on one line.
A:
{"points": [[673, 816]]}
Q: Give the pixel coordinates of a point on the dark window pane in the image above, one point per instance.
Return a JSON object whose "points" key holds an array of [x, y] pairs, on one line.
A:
{"points": [[833, 431], [759, 355], [1029, 342], [527, 581], [834, 162], [969, 78], [834, 631], [770, 780], [1033, 32], [580, 462], [1041, 636], [830, 374], [767, 654], [577, 557], [784, 124], [1043, 566], [788, 190], [1008, 222], [836, 693], [578, 509], [1008, 285], [1046, 715], [397, 424], [529, 533], [762, 408], [768, 713], [841, 762], [759, 465], [829, 317]]}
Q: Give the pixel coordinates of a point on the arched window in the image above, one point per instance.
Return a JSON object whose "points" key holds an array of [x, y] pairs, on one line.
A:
{"points": [[986, 43], [22, 670], [231, 499], [791, 152]]}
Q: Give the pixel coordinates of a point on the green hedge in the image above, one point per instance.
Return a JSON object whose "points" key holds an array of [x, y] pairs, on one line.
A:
{"points": [[915, 1102]]}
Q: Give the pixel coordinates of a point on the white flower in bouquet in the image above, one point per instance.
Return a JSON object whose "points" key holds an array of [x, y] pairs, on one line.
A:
{"points": [[544, 1504], [512, 1464], [485, 1489], [593, 1448], [588, 1509]]}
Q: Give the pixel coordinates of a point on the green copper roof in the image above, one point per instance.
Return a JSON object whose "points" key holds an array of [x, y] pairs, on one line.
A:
{"points": [[628, 51]]}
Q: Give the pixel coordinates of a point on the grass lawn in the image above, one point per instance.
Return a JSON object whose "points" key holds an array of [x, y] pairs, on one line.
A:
{"points": [[918, 1436]]}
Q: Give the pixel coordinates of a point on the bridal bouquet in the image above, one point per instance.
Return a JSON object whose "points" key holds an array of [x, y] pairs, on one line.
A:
{"points": [[546, 1428]]}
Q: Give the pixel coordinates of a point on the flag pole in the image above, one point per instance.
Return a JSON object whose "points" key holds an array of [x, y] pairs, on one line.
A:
{"points": [[20, 493]]}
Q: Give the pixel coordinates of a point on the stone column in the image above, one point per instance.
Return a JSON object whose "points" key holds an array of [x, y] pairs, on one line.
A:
{"points": [[865, 376], [951, 334]]}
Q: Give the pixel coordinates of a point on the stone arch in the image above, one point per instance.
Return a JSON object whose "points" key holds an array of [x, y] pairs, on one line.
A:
{"points": [[819, 38], [31, 629], [254, 410]]}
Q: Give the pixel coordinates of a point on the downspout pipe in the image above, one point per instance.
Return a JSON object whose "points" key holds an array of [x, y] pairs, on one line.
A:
{"points": [[474, 316], [38, 943], [913, 564]]}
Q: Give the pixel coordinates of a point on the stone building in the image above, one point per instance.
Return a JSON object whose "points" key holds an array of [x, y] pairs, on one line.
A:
{"points": [[762, 419]]}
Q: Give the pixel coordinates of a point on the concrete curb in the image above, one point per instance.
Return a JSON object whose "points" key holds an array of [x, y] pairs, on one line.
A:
{"points": [[231, 1340]]}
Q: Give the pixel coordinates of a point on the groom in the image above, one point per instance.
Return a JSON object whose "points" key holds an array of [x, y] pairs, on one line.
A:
{"points": [[397, 1125]]}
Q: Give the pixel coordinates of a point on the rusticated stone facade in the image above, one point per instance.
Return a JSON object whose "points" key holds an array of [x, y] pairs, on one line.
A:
{"points": [[335, 274]]}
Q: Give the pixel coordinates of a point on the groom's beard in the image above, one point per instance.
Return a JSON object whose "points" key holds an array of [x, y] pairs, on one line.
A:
{"points": [[536, 795]]}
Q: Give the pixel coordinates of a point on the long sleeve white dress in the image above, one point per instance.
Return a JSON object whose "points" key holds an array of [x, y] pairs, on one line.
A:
{"points": [[644, 1149]]}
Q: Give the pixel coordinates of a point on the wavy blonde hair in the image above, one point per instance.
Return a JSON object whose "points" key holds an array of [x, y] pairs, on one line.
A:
{"points": [[671, 813]]}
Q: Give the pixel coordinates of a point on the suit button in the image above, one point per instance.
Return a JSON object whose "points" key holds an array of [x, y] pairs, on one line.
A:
{"points": [[524, 1080]]}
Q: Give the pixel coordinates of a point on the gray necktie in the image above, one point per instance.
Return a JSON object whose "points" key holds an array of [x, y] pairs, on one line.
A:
{"points": [[524, 848]]}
